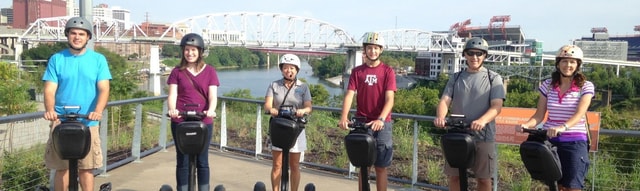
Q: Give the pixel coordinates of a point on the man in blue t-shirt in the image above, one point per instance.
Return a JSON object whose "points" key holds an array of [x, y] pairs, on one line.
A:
{"points": [[76, 76]]}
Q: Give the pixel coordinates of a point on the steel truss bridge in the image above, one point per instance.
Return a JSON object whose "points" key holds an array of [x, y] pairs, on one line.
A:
{"points": [[248, 29], [269, 31]]}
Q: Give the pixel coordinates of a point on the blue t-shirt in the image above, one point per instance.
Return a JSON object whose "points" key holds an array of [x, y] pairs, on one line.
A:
{"points": [[77, 77]]}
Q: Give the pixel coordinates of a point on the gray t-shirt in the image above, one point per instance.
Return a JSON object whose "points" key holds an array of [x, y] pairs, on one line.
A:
{"points": [[297, 96], [471, 94]]}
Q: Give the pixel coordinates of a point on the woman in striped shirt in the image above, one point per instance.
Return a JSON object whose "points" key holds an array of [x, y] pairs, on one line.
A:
{"points": [[566, 97]]}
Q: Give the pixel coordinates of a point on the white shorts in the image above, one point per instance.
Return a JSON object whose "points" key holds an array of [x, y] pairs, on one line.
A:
{"points": [[300, 146]]}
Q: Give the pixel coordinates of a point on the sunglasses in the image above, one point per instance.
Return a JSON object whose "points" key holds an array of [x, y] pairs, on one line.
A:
{"points": [[476, 53]]}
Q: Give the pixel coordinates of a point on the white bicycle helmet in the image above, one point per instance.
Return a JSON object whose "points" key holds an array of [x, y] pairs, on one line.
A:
{"points": [[289, 59], [570, 51], [372, 38]]}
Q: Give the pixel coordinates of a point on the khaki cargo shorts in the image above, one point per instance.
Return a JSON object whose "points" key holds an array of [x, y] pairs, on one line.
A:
{"points": [[484, 161], [93, 159]]}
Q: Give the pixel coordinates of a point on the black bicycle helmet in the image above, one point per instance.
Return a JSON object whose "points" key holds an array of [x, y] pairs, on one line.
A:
{"points": [[192, 39]]}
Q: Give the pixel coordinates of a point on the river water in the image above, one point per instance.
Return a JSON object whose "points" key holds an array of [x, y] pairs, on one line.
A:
{"points": [[257, 80]]}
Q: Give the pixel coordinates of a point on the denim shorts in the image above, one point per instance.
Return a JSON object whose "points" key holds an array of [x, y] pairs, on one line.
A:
{"points": [[574, 159], [384, 146]]}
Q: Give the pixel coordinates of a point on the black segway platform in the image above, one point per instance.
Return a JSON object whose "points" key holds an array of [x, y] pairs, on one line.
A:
{"points": [[71, 141], [284, 131], [361, 149], [540, 158], [191, 139], [459, 147]]}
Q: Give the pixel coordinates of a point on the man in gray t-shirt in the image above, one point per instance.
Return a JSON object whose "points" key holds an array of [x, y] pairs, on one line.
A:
{"points": [[478, 94]]}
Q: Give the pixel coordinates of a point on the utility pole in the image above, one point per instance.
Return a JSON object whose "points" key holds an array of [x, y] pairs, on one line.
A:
{"points": [[86, 11]]}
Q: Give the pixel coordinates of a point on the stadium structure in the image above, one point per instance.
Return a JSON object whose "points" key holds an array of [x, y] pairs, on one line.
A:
{"points": [[507, 44], [602, 45]]}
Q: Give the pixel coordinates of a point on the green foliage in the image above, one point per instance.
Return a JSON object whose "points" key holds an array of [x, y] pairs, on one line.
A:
{"points": [[43, 51], [522, 99], [320, 94], [171, 62], [328, 66], [15, 98], [171, 51], [399, 59], [23, 170], [240, 106], [232, 57], [419, 100]]}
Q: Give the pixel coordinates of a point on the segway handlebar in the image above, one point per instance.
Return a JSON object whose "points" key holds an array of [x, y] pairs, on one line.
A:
{"points": [[190, 114], [73, 116], [536, 131], [457, 122], [289, 112]]}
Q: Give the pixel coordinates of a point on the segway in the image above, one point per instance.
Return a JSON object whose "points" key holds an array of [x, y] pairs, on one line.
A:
{"points": [[284, 130], [537, 152], [361, 148], [459, 147], [191, 140], [71, 141]]}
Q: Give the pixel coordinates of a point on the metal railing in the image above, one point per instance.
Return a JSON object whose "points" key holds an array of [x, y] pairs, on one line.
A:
{"points": [[28, 132]]}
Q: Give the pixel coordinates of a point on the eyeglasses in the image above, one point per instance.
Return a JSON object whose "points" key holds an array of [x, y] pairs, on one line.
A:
{"points": [[476, 53]]}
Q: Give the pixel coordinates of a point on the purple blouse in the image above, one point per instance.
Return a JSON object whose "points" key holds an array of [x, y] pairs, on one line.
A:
{"points": [[189, 97]]}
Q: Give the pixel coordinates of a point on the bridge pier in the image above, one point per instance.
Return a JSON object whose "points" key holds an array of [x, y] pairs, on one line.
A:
{"points": [[154, 70], [354, 59]]}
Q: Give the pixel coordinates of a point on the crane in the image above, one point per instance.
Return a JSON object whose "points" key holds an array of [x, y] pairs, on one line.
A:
{"points": [[599, 30], [499, 18], [461, 28]]}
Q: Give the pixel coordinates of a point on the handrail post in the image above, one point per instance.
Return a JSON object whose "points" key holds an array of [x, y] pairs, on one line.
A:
{"points": [[258, 131], [162, 141], [223, 125], [104, 131], [137, 134], [414, 162]]}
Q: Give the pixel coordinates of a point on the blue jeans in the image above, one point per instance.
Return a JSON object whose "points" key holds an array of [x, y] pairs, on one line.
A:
{"points": [[575, 162], [202, 164]]}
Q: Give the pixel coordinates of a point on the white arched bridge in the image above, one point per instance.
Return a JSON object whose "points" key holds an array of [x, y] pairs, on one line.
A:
{"points": [[275, 32], [247, 29]]}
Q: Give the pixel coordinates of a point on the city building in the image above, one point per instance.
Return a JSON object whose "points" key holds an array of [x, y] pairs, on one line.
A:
{"points": [[124, 15], [500, 36], [6, 16], [602, 45], [26, 12]]}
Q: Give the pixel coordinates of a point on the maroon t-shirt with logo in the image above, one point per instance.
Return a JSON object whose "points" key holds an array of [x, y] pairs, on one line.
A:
{"points": [[370, 85], [187, 92]]}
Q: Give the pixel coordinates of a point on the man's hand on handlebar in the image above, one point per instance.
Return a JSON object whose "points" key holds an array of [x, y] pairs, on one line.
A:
{"points": [[376, 125], [51, 115], [440, 122], [344, 124], [478, 125], [95, 116]]}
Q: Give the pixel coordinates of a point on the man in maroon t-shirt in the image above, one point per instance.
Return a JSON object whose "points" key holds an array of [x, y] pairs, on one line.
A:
{"points": [[375, 84]]}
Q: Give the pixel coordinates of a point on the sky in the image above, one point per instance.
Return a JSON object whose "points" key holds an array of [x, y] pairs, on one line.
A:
{"points": [[554, 22]]}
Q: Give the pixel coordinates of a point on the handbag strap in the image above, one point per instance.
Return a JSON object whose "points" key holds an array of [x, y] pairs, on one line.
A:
{"points": [[196, 87], [288, 90]]}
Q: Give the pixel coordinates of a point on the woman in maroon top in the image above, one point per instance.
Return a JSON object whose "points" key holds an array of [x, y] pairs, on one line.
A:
{"points": [[193, 86]]}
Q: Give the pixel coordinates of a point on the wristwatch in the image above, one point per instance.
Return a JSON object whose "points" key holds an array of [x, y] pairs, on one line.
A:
{"points": [[565, 126], [381, 119]]}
